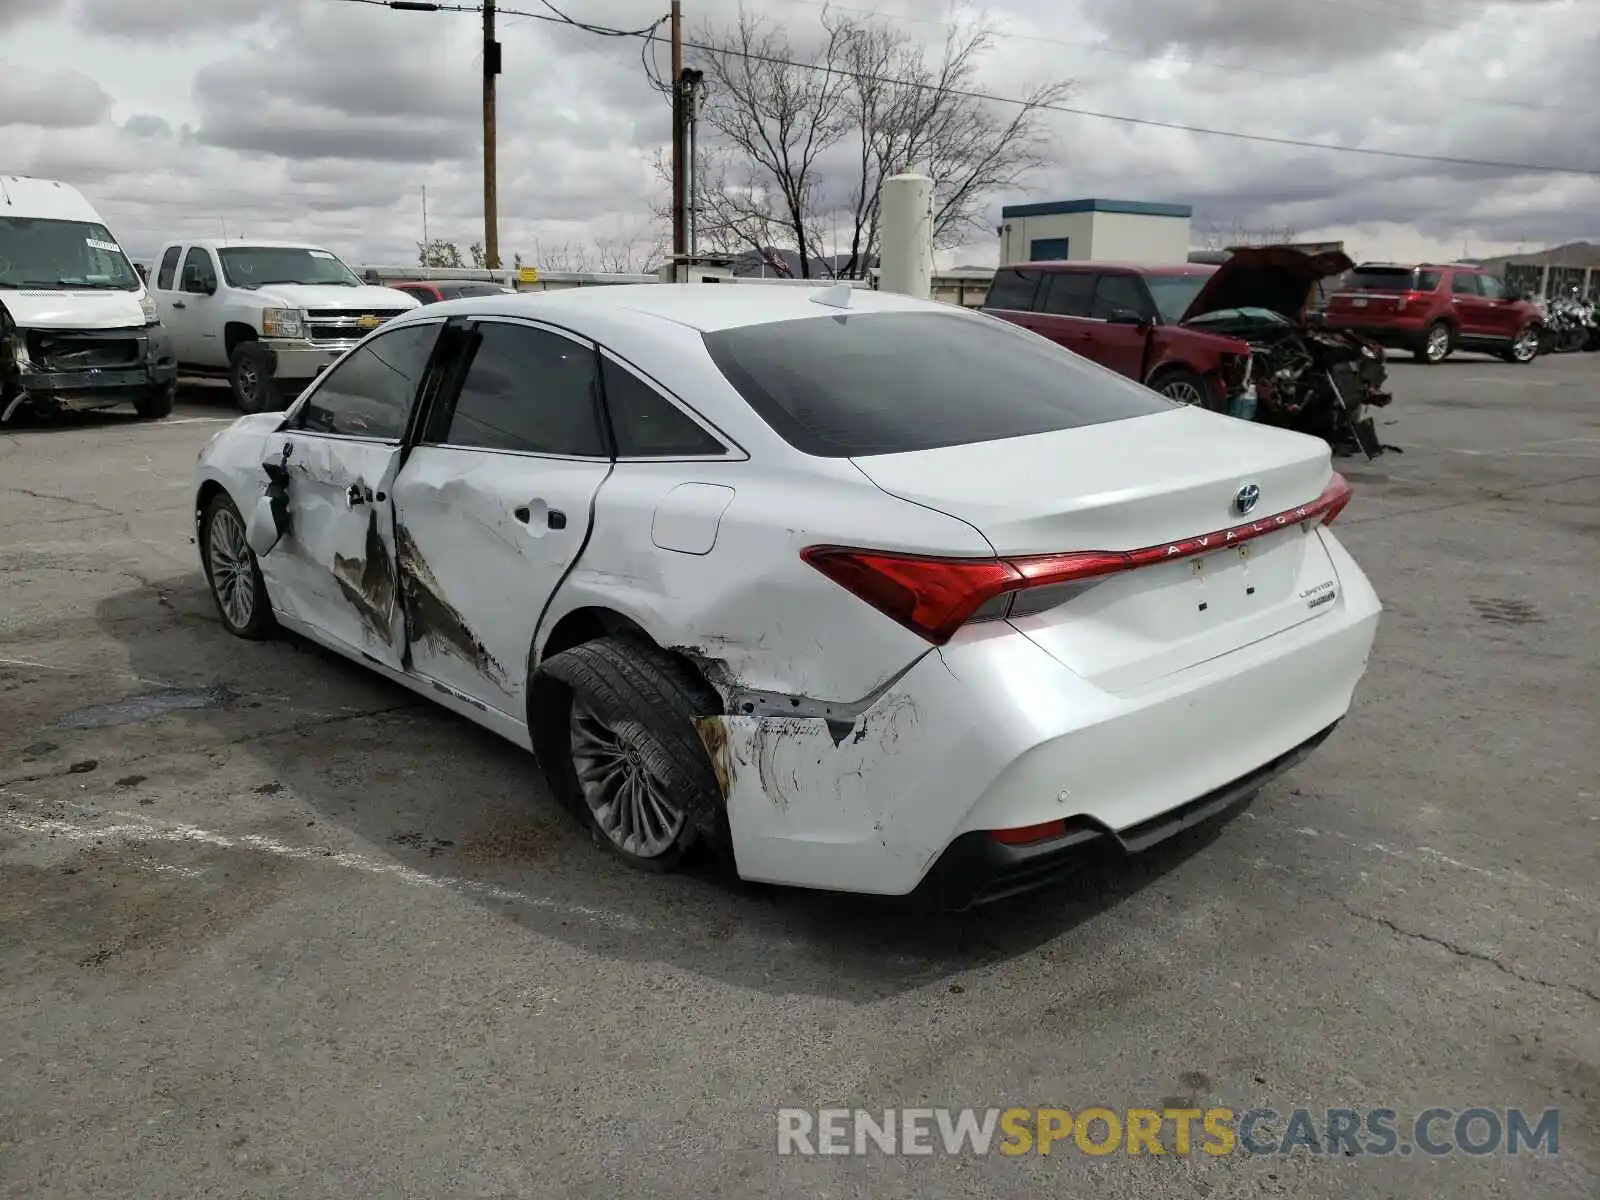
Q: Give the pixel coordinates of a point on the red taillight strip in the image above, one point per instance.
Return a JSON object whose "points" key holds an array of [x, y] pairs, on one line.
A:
{"points": [[935, 596]]}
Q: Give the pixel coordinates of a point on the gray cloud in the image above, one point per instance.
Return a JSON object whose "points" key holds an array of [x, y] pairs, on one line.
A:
{"points": [[150, 20], [14, 12], [143, 125], [51, 98]]}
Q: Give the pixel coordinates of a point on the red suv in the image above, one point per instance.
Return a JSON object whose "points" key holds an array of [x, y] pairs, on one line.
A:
{"points": [[1128, 318], [1433, 311]]}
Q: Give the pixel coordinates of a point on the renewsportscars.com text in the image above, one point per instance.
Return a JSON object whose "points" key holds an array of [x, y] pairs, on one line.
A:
{"points": [[1380, 1132]]}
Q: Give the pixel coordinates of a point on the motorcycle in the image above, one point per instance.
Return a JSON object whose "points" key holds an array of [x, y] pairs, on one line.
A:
{"points": [[1569, 324]]}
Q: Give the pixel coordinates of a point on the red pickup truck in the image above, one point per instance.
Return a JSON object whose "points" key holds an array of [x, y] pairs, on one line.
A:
{"points": [[1129, 318]]}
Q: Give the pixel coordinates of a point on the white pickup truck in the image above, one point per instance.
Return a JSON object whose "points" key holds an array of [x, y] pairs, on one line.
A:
{"points": [[268, 316]]}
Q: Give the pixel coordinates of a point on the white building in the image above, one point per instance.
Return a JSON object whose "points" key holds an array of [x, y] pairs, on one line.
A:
{"points": [[1098, 230]]}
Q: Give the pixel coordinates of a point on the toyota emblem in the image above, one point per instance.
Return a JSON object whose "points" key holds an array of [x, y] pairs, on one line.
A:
{"points": [[1245, 499]]}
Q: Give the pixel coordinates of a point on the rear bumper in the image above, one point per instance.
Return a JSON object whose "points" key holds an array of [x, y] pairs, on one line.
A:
{"points": [[976, 869], [992, 733]]}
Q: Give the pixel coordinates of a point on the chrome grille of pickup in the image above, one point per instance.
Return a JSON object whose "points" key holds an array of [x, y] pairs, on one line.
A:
{"points": [[346, 324]]}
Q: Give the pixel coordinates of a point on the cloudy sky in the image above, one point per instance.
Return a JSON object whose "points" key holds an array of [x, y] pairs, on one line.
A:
{"points": [[324, 120]]}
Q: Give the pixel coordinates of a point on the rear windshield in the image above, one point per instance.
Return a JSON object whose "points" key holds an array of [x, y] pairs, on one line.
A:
{"points": [[887, 383], [1390, 279]]}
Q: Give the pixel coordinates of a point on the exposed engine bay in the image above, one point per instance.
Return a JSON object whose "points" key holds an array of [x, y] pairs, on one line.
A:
{"points": [[1317, 381]]}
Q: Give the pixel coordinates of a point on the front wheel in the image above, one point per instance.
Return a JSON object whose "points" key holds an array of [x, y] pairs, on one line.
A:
{"points": [[634, 760], [1524, 347], [250, 374], [1184, 386], [237, 588], [157, 403]]}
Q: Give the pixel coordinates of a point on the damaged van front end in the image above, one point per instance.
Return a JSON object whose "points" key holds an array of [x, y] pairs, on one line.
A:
{"points": [[58, 368]]}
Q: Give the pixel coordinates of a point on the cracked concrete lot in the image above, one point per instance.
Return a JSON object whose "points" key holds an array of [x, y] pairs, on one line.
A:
{"points": [[271, 927]]}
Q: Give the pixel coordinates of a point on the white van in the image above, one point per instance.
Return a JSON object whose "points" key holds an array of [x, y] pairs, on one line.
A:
{"points": [[77, 328]]}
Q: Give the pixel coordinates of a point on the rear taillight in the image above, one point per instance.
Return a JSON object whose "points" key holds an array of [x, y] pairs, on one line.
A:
{"points": [[1412, 298], [934, 597]]}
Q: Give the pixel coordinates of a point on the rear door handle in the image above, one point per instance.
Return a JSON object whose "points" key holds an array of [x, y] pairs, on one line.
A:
{"points": [[553, 517], [179, 304]]}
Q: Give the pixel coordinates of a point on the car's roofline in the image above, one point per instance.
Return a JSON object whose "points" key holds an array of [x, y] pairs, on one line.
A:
{"points": [[1085, 266]]}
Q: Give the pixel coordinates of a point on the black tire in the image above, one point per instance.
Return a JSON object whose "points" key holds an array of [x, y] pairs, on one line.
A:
{"points": [[1179, 383], [1423, 351], [1524, 347], [261, 623], [650, 700], [156, 404], [250, 374]]}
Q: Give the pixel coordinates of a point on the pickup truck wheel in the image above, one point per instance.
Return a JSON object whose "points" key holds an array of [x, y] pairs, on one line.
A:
{"points": [[250, 373], [157, 403], [1186, 387], [1436, 344]]}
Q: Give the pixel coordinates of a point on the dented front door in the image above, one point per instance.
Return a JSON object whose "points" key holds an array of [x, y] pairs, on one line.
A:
{"points": [[337, 457]]}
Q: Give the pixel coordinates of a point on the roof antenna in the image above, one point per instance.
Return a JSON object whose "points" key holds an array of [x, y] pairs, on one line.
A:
{"points": [[837, 296]]}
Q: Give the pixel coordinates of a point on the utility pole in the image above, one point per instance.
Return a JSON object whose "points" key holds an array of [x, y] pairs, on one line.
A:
{"points": [[491, 68], [680, 240], [426, 249]]}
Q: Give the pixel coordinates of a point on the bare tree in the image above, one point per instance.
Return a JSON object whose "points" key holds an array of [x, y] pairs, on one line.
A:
{"points": [[1238, 235], [798, 142]]}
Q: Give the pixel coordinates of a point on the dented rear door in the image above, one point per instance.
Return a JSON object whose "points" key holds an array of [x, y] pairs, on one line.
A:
{"points": [[493, 506], [340, 452]]}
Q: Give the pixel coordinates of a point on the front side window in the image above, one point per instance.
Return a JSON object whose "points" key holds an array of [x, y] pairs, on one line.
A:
{"points": [[370, 393], [1173, 294], [199, 276], [261, 266], [1465, 284], [1068, 294], [39, 253], [1493, 287], [887, 383], [527, 390], [1116, 295]]}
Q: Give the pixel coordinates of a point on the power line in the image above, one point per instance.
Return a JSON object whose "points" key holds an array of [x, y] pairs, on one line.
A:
{"points": [[649, 34]]}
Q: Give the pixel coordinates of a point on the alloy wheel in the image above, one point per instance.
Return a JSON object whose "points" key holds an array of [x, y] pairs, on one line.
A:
{"points": [[232, 565], [249, 382], [1526, 345], [630, 805], [1183, 392], [1438, 343]]}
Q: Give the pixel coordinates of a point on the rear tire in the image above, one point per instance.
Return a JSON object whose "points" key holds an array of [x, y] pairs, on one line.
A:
{"points": [[625, 750], [233, 574], [1437, 343], [1184, 386], [250, 374], [154, 405]]}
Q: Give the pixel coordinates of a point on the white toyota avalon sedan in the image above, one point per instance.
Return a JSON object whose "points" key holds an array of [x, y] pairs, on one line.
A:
{"points": [[863, 592]]}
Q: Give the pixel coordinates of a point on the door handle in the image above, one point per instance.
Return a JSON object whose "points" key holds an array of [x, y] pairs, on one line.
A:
{"points": [[179, 304], [355, 494], [553, 517]]}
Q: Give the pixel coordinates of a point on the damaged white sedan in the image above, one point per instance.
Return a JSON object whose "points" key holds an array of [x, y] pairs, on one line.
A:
{"points": [[867, 593]]}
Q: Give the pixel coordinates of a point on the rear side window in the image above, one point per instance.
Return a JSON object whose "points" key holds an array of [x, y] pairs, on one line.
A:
{"points": [[646, 423], [1392, 279], [1012, 289], [887, 383], [1067, 294], [527, 390], [169, 268]]}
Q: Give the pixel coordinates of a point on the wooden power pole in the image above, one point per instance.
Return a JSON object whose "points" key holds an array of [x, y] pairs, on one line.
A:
{"points": [[680, 207], [491, 68]]}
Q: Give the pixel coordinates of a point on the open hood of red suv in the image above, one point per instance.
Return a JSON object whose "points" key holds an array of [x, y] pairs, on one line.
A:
{"points": [[1274, 277]]}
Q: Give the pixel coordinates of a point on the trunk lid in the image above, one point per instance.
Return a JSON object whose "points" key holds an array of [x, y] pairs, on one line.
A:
{"points": [[1129, 485], [1279, 278]]}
